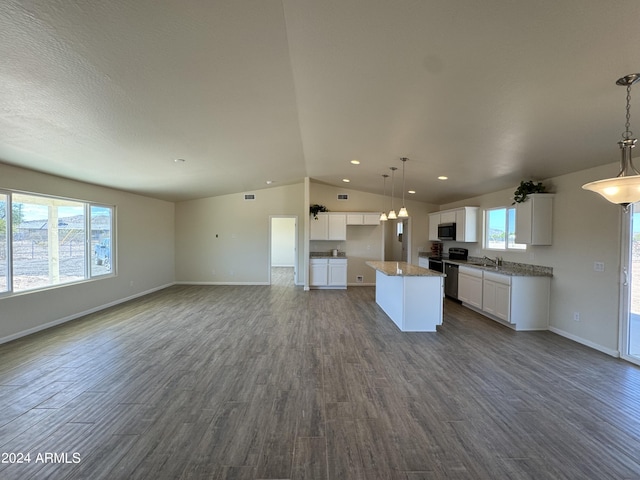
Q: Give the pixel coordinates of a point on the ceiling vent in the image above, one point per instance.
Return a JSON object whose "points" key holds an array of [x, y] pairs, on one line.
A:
{"points": [[343, 196], [249, 196]]}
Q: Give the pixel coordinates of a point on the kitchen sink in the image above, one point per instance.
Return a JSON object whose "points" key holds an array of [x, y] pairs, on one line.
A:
{"points": [[484, 265]]}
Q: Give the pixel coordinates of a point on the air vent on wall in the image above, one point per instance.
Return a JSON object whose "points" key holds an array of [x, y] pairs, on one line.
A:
{"points": [[343, 196], [249, 196]]}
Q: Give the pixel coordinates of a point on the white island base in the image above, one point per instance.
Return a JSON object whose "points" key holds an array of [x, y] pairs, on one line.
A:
{"points": [[411, 296]]}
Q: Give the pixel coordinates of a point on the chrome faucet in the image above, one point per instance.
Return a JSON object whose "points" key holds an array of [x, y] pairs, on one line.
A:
{"points": [[496, 263], [487, 259]]}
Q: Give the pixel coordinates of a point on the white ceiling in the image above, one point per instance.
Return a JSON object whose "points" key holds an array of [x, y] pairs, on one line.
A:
{"points": [[487, 93]]}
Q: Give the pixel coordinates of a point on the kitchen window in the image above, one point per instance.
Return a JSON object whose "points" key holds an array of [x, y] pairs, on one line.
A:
{"points": [[47, 241], [500, 229]]}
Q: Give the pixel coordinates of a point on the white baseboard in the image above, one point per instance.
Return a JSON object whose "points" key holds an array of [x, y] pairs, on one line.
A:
{"points": [[360, 284], [587, 343], [68, 318]]}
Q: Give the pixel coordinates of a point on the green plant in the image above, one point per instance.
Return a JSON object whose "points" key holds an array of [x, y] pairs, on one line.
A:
{"points": [[525, 189], [315, 209]]}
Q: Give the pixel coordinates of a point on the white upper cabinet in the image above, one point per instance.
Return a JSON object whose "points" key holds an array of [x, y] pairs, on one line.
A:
{"points": [[328, 226], [319, 227], [467, 224], [434, 221], [534, 219], [333, 225], [363, 218], [448, 216], [465, 218], [337, 226], [371, 219]]}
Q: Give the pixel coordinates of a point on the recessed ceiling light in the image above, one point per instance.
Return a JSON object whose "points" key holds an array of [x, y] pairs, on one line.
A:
{"points": [[412, 191], [179, 160], [355, 162], [442, 177], [269, 182], [346, 180]]}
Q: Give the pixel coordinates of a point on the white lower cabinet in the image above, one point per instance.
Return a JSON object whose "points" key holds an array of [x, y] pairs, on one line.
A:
{"points": [[319, 268], [520, 301], [496, 295], [337, 276], [470, 286], [328, 272]]}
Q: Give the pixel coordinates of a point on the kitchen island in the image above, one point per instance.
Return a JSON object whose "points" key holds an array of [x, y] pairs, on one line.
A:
{"points": [[410, 295]]}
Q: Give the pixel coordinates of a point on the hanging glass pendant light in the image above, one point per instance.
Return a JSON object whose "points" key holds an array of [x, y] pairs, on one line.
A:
{"points": [[403, 211], [383, 216], [625, 188], [392, 214]]}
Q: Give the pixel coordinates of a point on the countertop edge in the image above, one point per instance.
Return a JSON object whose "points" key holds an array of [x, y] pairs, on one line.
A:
{"points": [[402, 269], [512, 272]]}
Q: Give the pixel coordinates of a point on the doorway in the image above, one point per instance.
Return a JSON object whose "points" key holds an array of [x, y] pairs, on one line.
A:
{"points": [[283, 251], [630, 291], [397, 240]]}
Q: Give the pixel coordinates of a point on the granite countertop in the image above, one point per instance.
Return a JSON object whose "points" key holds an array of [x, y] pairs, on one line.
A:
{"points": [[403, 269], [327, 255], [508, 268]]}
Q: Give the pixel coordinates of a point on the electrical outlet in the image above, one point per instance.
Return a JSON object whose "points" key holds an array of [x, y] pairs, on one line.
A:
{"points": [[576, 316], [598, 266], [359, 278]]}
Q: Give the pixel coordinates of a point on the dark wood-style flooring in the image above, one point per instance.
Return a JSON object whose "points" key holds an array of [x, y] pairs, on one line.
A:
{"points": [[271, 382]]}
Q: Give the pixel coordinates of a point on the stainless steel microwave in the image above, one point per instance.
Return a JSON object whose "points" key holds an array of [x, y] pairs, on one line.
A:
{"points": [[447, 231]]}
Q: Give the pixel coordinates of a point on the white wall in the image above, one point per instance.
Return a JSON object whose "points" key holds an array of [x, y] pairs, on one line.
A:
{"points": [[225, 239], [145, 255], [586, 229], [283, 242]]}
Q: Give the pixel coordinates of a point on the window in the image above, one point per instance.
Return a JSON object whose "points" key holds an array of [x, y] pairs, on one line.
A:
{"points": [[4, 243], [500, 230], [46, 241], [101, 234]]}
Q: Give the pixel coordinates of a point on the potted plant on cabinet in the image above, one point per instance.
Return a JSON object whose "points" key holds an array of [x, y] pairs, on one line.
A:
{"points": [[315, 209], [527, 188]]}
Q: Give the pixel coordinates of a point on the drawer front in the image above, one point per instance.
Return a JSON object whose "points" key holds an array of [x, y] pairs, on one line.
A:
{"points": [[498, 278], [472, 272], [337, 261]]}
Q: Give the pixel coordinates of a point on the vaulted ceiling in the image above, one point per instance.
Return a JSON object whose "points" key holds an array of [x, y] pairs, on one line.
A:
{"points": [[249, 91]]}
